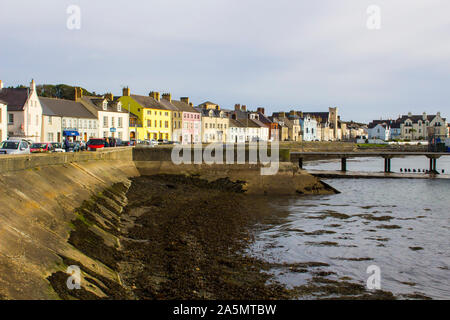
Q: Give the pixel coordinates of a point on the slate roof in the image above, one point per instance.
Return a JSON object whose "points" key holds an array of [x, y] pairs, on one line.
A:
{"points": [[149, 102], [205, 112], [95, 104], [183, 106], [67, 108], [415, 118], [321, 117], [15, 98]]}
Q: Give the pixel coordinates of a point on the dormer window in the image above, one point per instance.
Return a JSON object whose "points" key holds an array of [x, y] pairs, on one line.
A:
{"points": [[105, 105], [119, 107]]}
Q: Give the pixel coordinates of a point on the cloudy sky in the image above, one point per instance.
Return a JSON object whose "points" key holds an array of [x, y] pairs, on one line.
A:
{"points": [[281, 55]]}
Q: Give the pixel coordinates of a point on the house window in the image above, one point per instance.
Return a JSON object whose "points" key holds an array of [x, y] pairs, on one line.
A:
{"points": [[64, 123], [112, 122], [119, 107], [11, 118], [105, 134], [120, 135], [50, 137], [160, 123], [166, 124], [105, 122], [119, 122], [50, 120], [90, 124], [149, 123], [149, 113], [105, 105]]}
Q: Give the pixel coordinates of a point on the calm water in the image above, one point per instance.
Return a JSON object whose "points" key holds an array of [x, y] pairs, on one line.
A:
{"points": [[401, 226]]}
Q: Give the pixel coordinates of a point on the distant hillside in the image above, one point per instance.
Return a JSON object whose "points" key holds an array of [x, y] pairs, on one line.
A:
{"points": [[61, 91]]}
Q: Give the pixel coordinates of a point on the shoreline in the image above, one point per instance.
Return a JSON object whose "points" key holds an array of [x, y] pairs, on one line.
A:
{"points": [[182, 245]]}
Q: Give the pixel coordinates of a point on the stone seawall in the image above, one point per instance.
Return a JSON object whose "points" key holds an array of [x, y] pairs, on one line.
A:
{"points": [[41, 196]]}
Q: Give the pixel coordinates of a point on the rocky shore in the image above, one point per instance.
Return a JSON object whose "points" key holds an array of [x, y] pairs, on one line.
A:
{"points": [[178, 237]]}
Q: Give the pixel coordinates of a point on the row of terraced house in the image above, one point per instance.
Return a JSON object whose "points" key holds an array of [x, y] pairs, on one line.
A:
{"points": [[23, 113], [410, 127]]}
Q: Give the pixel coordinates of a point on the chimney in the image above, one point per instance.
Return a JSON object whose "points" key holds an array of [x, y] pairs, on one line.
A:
{"points": [[191, 104], [292, 113], [438, 114], [261, 110], [185, 100], [244, 107], [109, 96], [424, 116], [1, 84], [126, 92], [409, 114], [237, 107], [155, 95], [167, 96], [78, 93], [33, 85]]}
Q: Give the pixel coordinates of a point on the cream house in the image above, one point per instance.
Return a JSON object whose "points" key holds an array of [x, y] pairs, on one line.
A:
{"points": [[51, 125], [417, 127], [215, 123], [24, 112]]}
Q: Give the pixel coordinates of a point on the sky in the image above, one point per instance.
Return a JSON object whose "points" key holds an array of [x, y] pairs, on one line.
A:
{"points": [[280, 55]]}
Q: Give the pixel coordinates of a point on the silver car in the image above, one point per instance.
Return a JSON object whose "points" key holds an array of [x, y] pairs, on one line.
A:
{"points": [[14, 147]]}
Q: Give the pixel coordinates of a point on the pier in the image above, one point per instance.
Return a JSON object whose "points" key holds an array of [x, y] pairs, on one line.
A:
{"points": [[300, 157]]}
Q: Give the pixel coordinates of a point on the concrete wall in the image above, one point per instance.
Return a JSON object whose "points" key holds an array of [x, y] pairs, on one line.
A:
{"points": [[38, 196]]}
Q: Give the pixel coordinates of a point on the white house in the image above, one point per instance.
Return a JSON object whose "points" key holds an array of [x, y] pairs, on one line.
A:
{"points": [[379, 130], [77, 122], [308, 126], [236, 132], [113, 120], [24, 112], [3, 121]]}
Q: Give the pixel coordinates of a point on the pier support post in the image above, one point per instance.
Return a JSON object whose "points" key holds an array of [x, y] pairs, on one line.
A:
{"points": [[300, 163], [387, 164], [343, 164], [433, 166]]}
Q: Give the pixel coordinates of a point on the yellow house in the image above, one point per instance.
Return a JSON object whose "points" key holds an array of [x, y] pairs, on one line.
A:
{"points": [[151, 119]]}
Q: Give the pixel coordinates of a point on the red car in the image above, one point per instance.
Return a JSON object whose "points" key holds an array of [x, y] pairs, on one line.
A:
{"points": [[94, 144], [41, 147]]}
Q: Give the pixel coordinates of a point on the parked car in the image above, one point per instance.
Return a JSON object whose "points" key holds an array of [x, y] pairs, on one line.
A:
{"points": [[15, 147], [41, 147], [127, 143], [57, 147], [95, 144]]}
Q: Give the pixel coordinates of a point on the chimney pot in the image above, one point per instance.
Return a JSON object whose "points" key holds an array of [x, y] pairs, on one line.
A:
{"points": [[126, 92], [78, 93], [244, 108], [1, 84], [109, 96], [237, 107], [185, 100], [33, 85], [167, 96]]}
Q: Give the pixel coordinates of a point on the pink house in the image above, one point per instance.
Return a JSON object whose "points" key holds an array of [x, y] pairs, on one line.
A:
{"points": [[192, 122]]}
